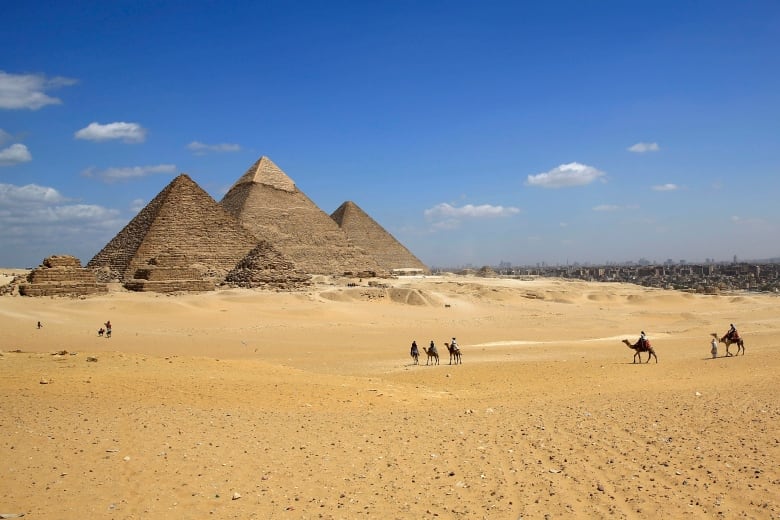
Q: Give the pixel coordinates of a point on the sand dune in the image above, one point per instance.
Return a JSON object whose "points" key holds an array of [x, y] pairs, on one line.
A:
{"points": [[244, 404]]}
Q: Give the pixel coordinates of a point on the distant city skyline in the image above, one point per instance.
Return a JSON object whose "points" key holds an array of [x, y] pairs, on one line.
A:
{"points": [[474, 133]]}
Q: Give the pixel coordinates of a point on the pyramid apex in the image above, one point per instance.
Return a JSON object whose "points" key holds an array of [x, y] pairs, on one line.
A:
{"points": [[264, 171]]}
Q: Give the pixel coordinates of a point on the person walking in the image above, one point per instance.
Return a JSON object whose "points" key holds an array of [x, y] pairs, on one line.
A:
{"points": [[714, 349]]}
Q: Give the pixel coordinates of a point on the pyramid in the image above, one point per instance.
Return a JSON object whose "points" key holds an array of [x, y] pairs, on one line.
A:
{"points": [[182, 217], [364, 231], [268, 203], [266, 267]]}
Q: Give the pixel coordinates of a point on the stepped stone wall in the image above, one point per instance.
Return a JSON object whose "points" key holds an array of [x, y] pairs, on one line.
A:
{"points": [[366, 233], [266, 267], [61, 275], [268, 203], [186, 218], [169, 272]]}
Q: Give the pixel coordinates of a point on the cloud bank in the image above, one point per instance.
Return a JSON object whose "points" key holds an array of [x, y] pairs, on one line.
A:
{"points": [[28, 91], [41, 218]]}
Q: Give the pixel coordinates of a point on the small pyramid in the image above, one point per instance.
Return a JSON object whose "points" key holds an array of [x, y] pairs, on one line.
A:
{"points": [[184, 217], [266, 267], [365, 232], [268, 203]]}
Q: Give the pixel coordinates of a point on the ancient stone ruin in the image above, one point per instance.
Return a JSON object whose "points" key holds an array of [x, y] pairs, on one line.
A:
{"points": [[61, 275], [364, 232], [170, 271], [266, 267], [184, 218], [264, 233], [268, 203]]}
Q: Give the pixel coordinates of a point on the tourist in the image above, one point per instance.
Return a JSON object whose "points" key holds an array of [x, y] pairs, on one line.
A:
{"points": [[732, 334], [714, 350], [40, 325], [415, 353]]}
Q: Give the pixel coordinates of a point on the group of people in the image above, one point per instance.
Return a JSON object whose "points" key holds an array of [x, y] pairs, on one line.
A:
{"points": [[415, 351], [731, 335], [105, 331]]}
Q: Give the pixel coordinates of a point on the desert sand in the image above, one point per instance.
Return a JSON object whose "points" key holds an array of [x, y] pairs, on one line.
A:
{"points": [[252, 404]]}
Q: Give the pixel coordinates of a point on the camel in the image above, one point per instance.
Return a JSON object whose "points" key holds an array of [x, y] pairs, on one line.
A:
{"points": [[728, 341], [454, 353], [642, 348], [415, 356], [432, 354]]}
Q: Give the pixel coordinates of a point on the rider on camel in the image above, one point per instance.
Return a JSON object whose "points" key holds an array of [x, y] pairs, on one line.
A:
{"points": [[642, 341], [414, 352], [732, 334]]}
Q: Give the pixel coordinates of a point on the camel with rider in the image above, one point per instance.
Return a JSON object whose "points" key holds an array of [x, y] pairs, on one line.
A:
{"points": [[729, 340], [454, 351], [433, 355], [639, 347]]}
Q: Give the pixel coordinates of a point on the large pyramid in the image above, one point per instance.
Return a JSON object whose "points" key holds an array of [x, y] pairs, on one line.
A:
{"points": [[184, 218], [268, 203], [364, 231]]}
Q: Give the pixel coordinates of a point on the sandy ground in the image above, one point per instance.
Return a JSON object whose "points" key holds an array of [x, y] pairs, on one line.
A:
{"points": [[246, 404]]}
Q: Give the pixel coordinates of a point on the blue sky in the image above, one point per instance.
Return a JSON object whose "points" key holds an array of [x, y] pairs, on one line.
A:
{"points": [[475, 132]]}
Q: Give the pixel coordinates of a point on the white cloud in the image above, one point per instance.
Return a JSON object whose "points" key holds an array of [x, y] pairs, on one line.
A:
{"points": [[34, 210], [11, 195], [445, 216], [566, 175], [445, 210], [202, 148], [614, 207], [666, 187], [14, 154], [127, 132], [644, 147], [18, 91], [130, 172]]}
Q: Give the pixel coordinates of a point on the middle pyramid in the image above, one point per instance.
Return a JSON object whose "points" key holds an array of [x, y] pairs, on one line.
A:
{"points": [[269, 204]]}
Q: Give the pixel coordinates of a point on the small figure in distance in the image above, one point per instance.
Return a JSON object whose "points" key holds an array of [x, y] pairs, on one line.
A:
{"points": [[415, 353], [108, 328], [642, 341], [714, 349], [40, 325], [101, 330]]}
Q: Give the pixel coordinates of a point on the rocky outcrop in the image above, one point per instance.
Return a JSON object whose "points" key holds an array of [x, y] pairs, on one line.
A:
{"points": [[61, 275]]}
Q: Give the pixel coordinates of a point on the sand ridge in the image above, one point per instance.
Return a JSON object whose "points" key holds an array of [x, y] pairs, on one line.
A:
{"points": [[307, 405]]}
